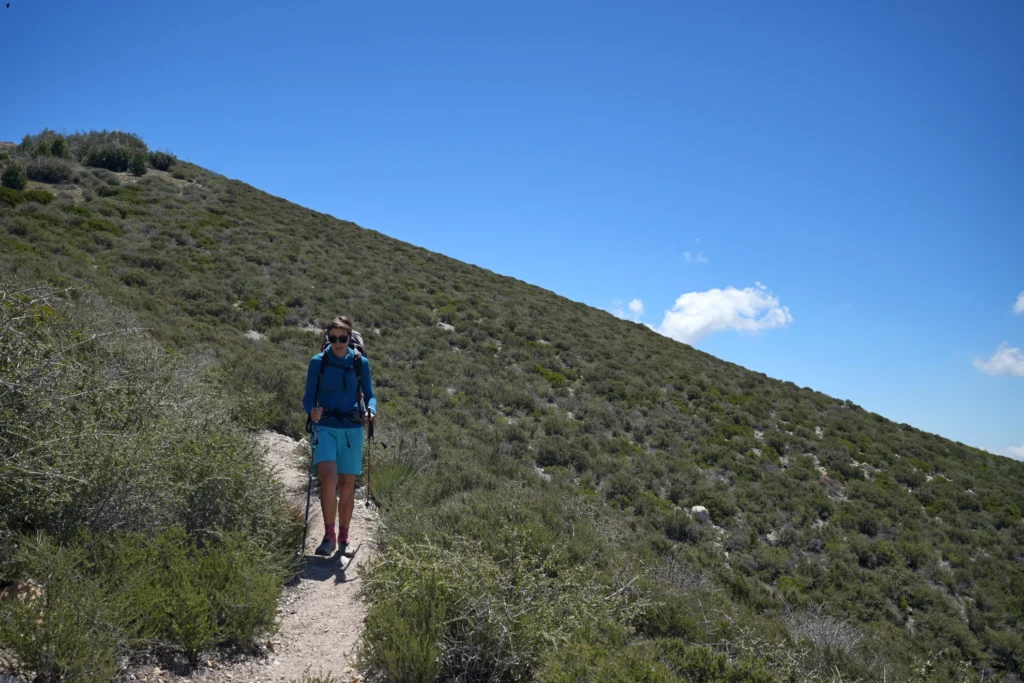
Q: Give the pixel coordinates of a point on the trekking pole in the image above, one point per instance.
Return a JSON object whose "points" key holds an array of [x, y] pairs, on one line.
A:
{"points": [[369, 493], [309, 487], [368, 441]]}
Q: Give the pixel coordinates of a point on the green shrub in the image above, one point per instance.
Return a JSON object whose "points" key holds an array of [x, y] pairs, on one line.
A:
{"points": [[174, 532], [138, 163], [77, 210], [140, 462], [105, 596], [113, 157], [12, 197], [445, 613], [59, 147], [557, 379], [654, 661], [14, 176], [93, 224], [397, 459], [49, 169], [48, 143], [1008, 648], [69, 631], [106, 177], [83, 143], [40, 196], [161, 161]]}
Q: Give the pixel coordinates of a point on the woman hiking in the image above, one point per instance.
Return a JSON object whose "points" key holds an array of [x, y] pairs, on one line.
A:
{"points": [[334, 380]]}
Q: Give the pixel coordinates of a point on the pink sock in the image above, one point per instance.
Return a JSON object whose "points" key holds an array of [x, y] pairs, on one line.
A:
{"points": [[344, 534], [329, 532]]}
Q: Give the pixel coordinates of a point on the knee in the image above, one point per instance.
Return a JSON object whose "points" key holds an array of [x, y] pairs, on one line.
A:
{"points": [[347, 483], [328, 481]]}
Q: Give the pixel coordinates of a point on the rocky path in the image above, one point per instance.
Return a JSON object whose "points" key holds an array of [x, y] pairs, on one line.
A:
{"points": [[320, 616]]}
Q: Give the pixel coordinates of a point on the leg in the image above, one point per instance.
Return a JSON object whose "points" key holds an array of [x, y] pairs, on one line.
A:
{"points": [[350, 465], [328, 484], [347, 502]]}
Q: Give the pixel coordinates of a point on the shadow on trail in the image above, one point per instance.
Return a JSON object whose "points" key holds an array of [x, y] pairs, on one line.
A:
{"points": [[315, 568]]}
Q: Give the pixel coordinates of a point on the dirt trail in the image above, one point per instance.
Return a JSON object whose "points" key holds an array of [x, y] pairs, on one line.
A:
{"points": [[320, 617]]}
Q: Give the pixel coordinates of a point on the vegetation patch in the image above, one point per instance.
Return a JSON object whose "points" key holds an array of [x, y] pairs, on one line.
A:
{"points": [[839, 544], [161, 526]]}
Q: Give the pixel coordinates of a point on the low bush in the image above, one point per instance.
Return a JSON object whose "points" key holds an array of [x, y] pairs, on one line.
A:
{"points": [[47, 169], [48, 143], [113, 157], [447, 613], [12, 197], [396, 458], [162, 524], [14, 176], [138, 163], [654, 661], [83, 143], [60, 148], [100, 597], [39, 196], [161, 161]]}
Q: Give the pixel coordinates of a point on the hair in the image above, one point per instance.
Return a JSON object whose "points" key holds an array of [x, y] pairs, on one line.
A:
{"points": [[342, 321]]}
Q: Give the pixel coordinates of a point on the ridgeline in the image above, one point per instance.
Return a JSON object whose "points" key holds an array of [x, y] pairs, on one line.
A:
{"points": [[545, 456]]}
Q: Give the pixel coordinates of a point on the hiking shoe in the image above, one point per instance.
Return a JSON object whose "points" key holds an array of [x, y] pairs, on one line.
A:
{"points": [[327, 548]]}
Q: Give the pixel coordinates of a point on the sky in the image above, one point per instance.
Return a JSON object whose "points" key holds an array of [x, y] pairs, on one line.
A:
{"points": [[828, 193]]}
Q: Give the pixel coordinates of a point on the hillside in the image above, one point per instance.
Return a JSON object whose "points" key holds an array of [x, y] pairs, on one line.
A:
{"points": [[555, 451]]}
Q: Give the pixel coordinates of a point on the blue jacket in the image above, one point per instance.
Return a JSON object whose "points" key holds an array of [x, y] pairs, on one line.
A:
{"points": [[338, 387]]}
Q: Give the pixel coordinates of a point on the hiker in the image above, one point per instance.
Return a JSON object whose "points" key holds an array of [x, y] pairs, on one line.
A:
{"points": [[335, 379]]}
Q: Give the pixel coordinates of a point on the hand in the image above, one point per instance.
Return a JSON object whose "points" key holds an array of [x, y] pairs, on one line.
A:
{"points": [[369, 417], [316, 414]]}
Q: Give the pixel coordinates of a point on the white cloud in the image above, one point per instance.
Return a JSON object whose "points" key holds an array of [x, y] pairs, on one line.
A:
{"points": [[699, 258], [631, 311], [698, 314], [1015, 452], [1019, 306], [1007, 360]]}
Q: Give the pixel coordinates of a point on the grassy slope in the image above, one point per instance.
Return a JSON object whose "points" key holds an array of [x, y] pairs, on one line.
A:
{"points": [[875, 545]]}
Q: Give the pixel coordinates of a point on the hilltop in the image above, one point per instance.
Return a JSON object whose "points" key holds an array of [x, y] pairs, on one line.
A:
{"points": [[539, 518]]}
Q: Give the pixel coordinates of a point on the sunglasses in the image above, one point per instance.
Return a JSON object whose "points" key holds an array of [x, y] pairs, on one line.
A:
{"points": [[337, 340]]}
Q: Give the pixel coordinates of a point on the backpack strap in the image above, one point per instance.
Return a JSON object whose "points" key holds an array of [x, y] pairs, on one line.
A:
{"points": [[316, 394], [320, 376]]}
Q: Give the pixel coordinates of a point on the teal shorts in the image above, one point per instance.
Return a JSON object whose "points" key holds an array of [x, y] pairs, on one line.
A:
{"points": [[344, 446]]}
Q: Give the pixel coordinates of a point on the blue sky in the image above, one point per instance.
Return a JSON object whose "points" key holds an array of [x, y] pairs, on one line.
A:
{"points": [[830, 193]]}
